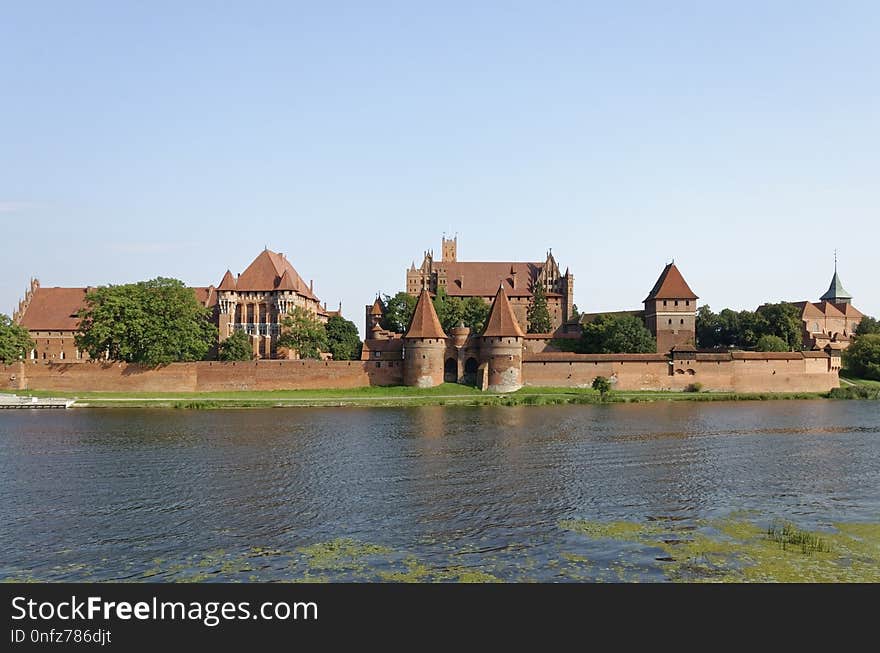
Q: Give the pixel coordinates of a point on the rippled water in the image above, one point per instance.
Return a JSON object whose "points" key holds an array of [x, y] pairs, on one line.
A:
{"points": [[371, 494]]}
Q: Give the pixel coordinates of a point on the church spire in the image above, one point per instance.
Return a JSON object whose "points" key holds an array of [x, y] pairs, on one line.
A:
{"points": [[836, 294]]}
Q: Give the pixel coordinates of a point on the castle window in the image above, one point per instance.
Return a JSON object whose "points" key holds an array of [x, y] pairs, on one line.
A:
{"points": [[687, 302], [682, 321], [676, 302], [670, 320], [664, 302]]}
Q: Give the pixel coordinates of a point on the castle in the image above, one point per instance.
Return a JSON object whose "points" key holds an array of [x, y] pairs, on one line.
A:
{"points": [[502, 357], [492, 360], [255, 301], [481, 279]]}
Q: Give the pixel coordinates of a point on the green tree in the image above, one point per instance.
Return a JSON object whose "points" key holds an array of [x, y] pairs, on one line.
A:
{"points": [[769, 342], [782, 320], [867, 326], [602, 385], [342, 339], [150, 322], [304, 333], [398, 311], [617, 334], [862, 357], [15, 342], [237, 347], [475, 312], [450, 310], [538, 316], [708, 329]]}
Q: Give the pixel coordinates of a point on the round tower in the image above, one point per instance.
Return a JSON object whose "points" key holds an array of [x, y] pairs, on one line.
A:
{"points": [[424, 346], [501, 347]]}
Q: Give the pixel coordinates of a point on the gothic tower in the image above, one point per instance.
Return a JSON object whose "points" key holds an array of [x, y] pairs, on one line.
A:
{"points": [[671, 311]]}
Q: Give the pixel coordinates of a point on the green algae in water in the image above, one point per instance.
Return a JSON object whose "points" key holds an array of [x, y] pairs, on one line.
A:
{"points": [[737, 550]]}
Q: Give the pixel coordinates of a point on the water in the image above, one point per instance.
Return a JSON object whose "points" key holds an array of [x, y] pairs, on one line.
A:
{"points": [[430, 493]]}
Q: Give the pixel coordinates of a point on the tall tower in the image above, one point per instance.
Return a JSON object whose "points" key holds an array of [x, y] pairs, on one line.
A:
{"points": [[671, 310], [449, 251], [425, 345], [501, 346]]}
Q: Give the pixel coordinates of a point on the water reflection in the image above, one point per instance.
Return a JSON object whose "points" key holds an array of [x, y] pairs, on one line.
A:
{"points": [[105, 494]]}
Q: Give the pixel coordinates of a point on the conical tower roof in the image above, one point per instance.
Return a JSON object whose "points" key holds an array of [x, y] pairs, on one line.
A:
{"points": [[836, 293], [425, 323], [378, 308], [502, 322], [228, 282]]}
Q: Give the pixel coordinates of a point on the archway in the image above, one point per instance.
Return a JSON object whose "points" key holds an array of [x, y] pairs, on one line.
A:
{"points": [[470, 371], [450, 370]]}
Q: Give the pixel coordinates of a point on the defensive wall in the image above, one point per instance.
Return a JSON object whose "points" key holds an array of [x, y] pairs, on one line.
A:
{"points": [[736, 371], [207, 376], [732, 372]]}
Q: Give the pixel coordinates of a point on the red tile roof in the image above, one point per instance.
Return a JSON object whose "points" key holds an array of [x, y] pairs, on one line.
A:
{"points": [[228, 282], [265, 274], [54, 309], [502, 322], [482, 278], [849, 310], [378, 308], [671, 285], [424, 323]]}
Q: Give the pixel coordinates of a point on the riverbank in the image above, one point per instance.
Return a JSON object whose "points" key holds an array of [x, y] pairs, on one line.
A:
{"points": [[399, 396]]}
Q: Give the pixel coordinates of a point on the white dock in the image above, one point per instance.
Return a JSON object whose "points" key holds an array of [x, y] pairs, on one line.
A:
{"points": [[14, 401]]}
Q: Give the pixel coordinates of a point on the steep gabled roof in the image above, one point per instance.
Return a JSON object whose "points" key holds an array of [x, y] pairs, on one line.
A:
{"points": [[54, 309], [286, 282], [829, 310], [849, 310], [808, 310], [228, 282], [378, 308], [835, 291], [671, 285], [425, 323], [502, 322], [265, 273], [481, 278]]}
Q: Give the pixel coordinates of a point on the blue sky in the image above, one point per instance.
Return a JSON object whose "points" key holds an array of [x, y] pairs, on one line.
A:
{"points": [[179, 139]]}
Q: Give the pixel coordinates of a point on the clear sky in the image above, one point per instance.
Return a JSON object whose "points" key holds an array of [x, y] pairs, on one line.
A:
{"points": [[180, 138]]}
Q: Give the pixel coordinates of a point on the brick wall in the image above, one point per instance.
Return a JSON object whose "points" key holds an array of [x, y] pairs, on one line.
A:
{"points": [[793, 372], [772, 372], [201, 376]]}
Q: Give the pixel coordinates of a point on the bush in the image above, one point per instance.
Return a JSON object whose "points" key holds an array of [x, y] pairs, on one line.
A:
{"points": [[693, 387], [855, 392], [602, 385]]}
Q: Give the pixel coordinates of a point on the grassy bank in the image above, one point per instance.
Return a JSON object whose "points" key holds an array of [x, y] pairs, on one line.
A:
{"points": [[446, 394]]}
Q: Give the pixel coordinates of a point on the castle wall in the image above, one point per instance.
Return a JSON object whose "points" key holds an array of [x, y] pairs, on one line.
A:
{"points": [[203, 376], [793, 372], [738, 372]]}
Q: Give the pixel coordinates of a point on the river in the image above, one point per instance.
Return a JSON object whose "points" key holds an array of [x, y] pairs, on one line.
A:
{"points": [[659, 491]]}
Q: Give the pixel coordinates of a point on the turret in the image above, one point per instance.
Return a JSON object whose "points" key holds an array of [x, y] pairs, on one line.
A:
{"points": [[424, 346], [501, 347]]}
